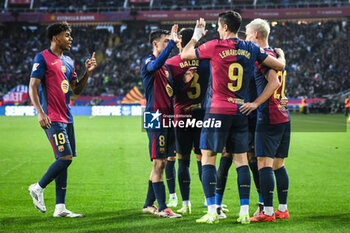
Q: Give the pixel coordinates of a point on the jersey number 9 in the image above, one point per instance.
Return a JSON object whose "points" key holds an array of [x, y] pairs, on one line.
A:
{"points": [[235, 73]]}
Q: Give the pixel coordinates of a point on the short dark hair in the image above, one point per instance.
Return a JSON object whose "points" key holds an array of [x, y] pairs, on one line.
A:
{"points": [[57, 28], [232, 19], [157, 34], [186, 35]]}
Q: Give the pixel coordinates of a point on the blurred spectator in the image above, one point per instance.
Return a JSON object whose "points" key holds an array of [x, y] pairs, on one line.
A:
{"points": [[317, 55]]}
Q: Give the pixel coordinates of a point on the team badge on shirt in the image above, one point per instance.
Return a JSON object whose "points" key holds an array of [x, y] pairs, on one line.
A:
{"points": [[169, 90], [65, 86], [61, 148], [64, 69]]}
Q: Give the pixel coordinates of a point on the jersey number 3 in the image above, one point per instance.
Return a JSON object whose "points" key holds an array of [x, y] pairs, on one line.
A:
{"points": [[235, 73], [194, 84]]}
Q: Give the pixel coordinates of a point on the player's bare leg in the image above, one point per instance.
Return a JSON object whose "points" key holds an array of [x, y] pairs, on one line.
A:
{"points": [[243, 181]]}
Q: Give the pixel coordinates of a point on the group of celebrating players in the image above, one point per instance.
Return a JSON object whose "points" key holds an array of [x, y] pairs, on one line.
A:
{"points": [[238, 83], [229, 81]]}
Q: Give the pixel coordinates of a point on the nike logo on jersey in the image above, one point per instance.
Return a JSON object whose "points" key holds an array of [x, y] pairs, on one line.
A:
{"points": [[54, 63]]}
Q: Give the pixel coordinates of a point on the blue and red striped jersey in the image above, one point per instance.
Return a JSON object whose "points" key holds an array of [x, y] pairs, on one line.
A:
{"points": [[158, 91], [55, 74], [191, 96], [232, 65], [271, 111]]}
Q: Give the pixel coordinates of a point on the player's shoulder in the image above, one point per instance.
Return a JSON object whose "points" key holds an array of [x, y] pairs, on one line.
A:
{"points": [[174, 60], [270, 51], [68, 59], [40, 57], [147, 59], [211, 43], [41, 53]]}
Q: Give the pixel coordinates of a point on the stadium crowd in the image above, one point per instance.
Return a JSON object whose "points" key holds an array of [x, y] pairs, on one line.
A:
{"points": [[316, 53], [78, 6]]}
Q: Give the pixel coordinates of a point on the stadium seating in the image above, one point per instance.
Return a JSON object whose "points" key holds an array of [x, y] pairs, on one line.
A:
{"points": [[119, 56]]}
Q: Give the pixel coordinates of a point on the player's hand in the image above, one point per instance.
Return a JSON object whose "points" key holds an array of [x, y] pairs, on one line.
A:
{"points": [[280, 52], [91, 64], [247, 108], [173, 34], [284, 102], [44, 120], [188, 76], [199, 30]]}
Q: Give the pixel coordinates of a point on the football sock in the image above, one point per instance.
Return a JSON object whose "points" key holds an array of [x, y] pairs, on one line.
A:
{"points": [[244, 210], [268, 210], [225, 164], [54, 170], [199, 165], [170, 175], [150, 198], [159, 191], [209, 184], [243, 181], [60, 207], [184, 178], [261, 200], [61, 186], [186, 203], [254, 168], [282, 207], [282, 183], [267, 184]]}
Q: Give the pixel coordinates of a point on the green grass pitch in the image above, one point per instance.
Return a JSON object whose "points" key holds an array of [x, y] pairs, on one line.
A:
{"points": [[107, 181]]}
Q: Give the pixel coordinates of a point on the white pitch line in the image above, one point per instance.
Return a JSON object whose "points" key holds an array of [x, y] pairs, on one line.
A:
{"points": [[14, 168]]}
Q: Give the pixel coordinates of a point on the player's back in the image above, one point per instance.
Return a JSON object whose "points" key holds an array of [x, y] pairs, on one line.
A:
{"points": [[157, 88], [191, 98], [232, 63], [271, 111]]}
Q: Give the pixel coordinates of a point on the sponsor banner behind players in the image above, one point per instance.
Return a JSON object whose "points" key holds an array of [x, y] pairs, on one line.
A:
{"points": [[288, 13], [125, 110], [16, 95]]}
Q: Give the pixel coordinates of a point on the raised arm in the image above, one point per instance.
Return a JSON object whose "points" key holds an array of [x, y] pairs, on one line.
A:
{"points": [[272, 84], [78, 86], [276, 64], [43, 119], [189, 52], [156, 64]]}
